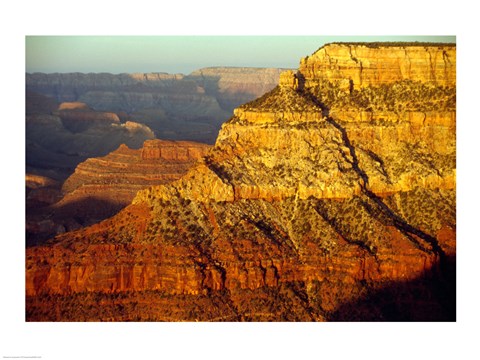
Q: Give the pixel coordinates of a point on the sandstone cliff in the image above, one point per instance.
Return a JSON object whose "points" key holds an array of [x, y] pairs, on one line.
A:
{"points": [[102, 186], [324, 193], [363, 65], [114, 180]]}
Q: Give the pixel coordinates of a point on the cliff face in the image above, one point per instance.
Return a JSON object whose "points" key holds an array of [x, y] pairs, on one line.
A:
{"points": [[102, 186], [116, 178], [234, 86], [363, 65], [72, 117], [315, 196]]}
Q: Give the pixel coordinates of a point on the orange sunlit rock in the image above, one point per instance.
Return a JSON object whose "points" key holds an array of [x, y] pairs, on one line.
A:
{"points": [[332, 197]]}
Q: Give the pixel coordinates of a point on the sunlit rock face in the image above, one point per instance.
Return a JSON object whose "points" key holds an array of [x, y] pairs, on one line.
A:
{"points": [[116, 178], [364, 65], [332, 197]]}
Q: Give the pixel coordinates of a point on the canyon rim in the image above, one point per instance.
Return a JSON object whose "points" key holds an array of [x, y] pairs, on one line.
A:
{"points": [[331, 197]]}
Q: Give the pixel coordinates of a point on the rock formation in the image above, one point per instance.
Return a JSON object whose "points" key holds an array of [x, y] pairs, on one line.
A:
{"points": [[69, 133], [233, 86], [372, 64], [113, 181], [41, 190], [72, 117], [332, 197], [100, 187], [175, 106]]}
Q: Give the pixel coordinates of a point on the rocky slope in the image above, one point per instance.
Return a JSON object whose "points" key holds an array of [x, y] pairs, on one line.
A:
{"points": [[175, 106], [332, 197], [102, 186]]}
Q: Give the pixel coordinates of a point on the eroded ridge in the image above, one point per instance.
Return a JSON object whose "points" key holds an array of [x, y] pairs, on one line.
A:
{"points": [[305, 209]]}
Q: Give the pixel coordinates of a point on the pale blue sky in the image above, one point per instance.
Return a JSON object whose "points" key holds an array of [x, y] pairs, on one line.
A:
{"points": [[178, 54]]}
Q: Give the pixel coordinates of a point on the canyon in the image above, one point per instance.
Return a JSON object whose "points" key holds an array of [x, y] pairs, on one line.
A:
{"points": [[61, 135], [71, 117], [174, 106], [331, 197]]}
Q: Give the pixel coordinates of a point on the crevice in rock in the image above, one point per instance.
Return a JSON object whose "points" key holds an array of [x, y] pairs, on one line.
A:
{"points": [[272, 234], [334, 223], [354, 159], [210, 262], [398, 222], [300, 292], [220, 171], [408, 230], [379, 161]]}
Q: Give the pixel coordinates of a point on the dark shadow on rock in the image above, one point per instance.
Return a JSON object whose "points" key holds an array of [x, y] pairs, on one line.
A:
{"points": [[431, 297], [88, 208], [412, 233], [67, 217], [407, 229]]}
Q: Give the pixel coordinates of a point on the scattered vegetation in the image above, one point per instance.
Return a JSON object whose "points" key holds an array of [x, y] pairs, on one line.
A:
{"points": [[406, 95], [282, 99], [427, 210]]}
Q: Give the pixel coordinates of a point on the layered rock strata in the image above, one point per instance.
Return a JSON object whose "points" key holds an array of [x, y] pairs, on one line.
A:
{"points": [[116, 178], [233, 86], [100, 187], [72, 132], [175, 106], [363, 65], [317, 202]]}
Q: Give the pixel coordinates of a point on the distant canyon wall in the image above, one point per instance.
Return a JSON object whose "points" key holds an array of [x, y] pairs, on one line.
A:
{"points": [[175, 106], [73, 116]]}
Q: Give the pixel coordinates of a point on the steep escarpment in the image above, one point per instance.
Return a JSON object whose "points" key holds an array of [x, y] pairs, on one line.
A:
{"points": [[373, 64], [102, 186], [157, 160], [115, 179], [309, 203]]}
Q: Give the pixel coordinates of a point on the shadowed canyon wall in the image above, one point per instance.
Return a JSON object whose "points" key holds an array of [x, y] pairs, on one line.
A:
{"points": [[175, 106]]}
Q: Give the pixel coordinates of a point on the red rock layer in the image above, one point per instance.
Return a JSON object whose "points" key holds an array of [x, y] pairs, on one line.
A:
{"points": [[296, 214], [189, 269], [173, 150], [100, 187], [157, 162]]}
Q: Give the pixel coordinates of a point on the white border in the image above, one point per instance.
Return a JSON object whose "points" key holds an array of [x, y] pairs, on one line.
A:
{"points": [[152, 340]]}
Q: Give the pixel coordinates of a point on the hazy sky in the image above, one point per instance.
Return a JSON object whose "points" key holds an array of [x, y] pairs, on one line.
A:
{"points": [[178, 54]]}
